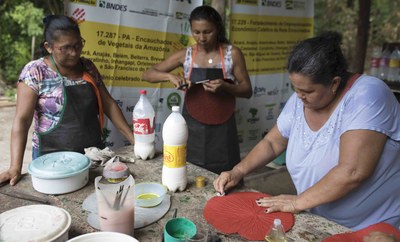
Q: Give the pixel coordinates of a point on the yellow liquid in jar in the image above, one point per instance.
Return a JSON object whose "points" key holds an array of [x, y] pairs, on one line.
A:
{"points": [[147, 196]]}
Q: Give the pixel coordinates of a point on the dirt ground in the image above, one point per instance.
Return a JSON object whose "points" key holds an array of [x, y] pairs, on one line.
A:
{"points": [[7, 112]]}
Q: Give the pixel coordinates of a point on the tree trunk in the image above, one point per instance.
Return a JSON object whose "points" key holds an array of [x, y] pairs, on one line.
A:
{"points": [[33, 47], [362, 35]]}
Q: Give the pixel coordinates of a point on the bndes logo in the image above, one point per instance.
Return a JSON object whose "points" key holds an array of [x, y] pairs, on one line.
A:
{"points": [[113, 6], [259, 91]]}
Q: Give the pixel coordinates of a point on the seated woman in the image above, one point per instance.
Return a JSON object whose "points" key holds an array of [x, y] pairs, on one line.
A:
{"points": [[341, 132]]}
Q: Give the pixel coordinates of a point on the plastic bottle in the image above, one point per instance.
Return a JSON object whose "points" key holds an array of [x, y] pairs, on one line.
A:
{"points": [[158, 121], [375, 58], [143, 128], [384, 64], [394, 66], [277, 233], [175, 135]]}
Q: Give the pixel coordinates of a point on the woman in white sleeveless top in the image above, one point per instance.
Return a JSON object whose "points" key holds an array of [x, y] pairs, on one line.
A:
{"points": [[209, 107]]}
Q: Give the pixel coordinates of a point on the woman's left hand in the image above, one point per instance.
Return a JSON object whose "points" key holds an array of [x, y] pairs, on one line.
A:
{"points": [[212, 85], [281, 203]]}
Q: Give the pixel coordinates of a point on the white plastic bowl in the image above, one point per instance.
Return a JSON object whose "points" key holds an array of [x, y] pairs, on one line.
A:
{"points": [[59, 172], [35, 223], [104, 237], [149, 194]]}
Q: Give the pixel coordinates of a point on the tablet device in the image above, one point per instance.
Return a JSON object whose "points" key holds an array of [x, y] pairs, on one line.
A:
{"points": [[200, 75]]}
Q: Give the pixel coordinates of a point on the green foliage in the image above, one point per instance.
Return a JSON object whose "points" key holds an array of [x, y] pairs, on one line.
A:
{"points": [[28, 21], [20, 55], [342, 16], [10, 93], [20, 22], [384, 22]]}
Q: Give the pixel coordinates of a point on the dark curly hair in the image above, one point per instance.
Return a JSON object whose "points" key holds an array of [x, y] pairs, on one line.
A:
{"points": [[320, 58]]}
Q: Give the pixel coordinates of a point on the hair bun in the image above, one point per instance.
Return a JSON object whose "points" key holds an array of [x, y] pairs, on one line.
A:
{"points": [[47, 19], [332, 36]]}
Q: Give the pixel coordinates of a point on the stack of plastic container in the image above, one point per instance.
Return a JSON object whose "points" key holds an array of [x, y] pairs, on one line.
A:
{"points": [[394, 66]]}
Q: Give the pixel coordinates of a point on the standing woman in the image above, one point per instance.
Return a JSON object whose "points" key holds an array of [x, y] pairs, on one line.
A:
{"points": [[209, 107], [65, 95]]}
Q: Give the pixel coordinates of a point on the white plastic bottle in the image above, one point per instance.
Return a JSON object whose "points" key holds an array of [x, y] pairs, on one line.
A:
{"points": [[175, 135], [375, 58], [394, 66], [384, 64], [143, 128], [277, 233], [158, 122]]}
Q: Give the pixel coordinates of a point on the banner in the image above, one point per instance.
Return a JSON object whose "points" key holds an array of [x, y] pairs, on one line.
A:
{"points": [[266, 31], [126, 37]]}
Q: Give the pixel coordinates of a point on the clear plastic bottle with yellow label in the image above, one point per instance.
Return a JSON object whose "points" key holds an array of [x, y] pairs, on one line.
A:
{"points": [[175, 135]]}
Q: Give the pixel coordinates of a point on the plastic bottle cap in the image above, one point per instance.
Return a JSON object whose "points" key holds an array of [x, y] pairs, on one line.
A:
{"points": [[175, 108], [143, 92], [277, 222], [200, 181]]}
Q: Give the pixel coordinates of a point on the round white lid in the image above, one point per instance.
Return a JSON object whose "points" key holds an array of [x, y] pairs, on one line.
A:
{"points": [[103, 237], [58, 165], [34, 223]]}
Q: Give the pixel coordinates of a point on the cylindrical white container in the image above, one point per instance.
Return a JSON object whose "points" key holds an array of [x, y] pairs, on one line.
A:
{"points": [[59, 172], [143, 127], [39, 223], [175, 135]]}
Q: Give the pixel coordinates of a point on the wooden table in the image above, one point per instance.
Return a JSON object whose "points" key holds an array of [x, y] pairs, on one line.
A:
{"points": [[308, 227]]}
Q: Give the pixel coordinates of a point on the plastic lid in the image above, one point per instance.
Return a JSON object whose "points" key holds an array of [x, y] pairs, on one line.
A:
{"points": [[175, 108], [277, 222], [143, 92], [58, 165], [103, 237], [34, 223], [116, 170]]}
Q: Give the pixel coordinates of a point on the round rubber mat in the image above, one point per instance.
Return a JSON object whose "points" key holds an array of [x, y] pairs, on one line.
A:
{"points": [[239, 213], [358, 236]]}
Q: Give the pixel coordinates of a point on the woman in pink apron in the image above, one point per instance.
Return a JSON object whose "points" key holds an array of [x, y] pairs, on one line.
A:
{"points": [[65, 95], [215, 73]]}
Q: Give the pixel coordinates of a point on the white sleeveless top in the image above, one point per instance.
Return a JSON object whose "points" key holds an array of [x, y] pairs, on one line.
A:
{"points": [[227, 61]]}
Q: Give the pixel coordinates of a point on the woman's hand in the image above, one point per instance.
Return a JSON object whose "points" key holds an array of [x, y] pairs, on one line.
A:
{"points": [[281, 203], [10, 175], [213, 85], [226, 180], [177, 80]]}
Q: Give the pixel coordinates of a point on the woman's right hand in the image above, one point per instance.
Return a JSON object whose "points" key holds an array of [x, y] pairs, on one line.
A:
{"points": [[226, 180], [177, 80], [10, 175]]}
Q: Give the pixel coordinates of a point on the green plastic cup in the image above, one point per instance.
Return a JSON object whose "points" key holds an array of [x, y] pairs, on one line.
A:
{"points": [[178, 229]]}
